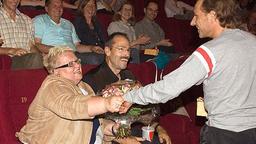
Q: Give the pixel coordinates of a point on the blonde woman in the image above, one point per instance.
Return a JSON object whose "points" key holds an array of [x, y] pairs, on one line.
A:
{"points": [[64, 106]]}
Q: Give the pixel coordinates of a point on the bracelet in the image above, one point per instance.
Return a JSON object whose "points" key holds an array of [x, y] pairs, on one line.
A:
{"points": [[113, 132]]}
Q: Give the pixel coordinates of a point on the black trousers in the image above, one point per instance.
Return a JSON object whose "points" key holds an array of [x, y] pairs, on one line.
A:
{"points": [[212, 135]]}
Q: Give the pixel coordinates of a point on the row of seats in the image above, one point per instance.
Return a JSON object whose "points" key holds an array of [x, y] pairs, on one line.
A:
{"points": [[183, 36], [18, 88]]}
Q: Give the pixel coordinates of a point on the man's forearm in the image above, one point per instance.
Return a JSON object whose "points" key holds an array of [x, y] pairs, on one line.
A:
{"points": [[84, 48], [42, 48], [4, 51]]}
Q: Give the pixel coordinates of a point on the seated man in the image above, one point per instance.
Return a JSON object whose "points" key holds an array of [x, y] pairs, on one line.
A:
{"points": [[117, 52], [52, 30], [17, 37], [148, 26]]}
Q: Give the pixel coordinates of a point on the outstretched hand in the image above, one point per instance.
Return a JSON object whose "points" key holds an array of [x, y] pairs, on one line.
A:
{"points": [[124, 107], [113, 103]]}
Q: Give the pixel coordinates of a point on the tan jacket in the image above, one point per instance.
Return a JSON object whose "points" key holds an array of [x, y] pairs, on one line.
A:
{"points": [[58, 114]]}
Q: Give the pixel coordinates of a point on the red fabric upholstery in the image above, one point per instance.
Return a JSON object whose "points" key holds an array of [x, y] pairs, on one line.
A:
{"points": [[144, 72], [178, 128], [7, 135], [19, 91], [105, 20], [5, 62]]}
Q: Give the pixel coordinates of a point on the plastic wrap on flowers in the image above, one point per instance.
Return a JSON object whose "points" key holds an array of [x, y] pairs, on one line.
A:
{"points": [[135, 113]]}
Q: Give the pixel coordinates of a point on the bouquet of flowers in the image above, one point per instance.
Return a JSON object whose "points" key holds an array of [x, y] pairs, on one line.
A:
{"points": [[135, 113]]}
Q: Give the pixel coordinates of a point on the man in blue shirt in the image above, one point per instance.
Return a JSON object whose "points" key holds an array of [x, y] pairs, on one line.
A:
{"points": [[52, 30]]}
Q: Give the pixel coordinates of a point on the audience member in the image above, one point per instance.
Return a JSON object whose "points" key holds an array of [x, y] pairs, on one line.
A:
{"points": [[17, 34], [226, 67], [123, 21], [117, 52], [52, 30], [148, 26], [109, 6], [41, 3], [64, 106], [178, 9], [87, 25]]}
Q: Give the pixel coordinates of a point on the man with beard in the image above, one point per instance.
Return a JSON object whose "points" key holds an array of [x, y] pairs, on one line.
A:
{"points": [[117, 51]]}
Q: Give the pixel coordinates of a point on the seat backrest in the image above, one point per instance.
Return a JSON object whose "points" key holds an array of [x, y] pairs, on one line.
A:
{"points": [[174, 65], [86, 68], [6, 127], [23, 86], [17, 90], [144, 72], [5, 62]]}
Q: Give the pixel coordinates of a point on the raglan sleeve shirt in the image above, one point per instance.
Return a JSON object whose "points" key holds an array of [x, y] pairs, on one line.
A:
{"points": [[194, 70]]}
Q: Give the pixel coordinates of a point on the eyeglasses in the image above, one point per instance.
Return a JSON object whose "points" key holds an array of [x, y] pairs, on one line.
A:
{"points": [[70, 64], [120, 48]]}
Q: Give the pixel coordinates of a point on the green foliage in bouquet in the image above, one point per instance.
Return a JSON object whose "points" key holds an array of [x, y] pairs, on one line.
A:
{"points": [[123, 131], [132, 115]]}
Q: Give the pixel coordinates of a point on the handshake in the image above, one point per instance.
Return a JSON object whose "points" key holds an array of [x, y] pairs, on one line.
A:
{"points": [[114, 95]]}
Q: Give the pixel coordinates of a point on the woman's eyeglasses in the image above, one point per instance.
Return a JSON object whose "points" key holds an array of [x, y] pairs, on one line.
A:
{"points": [[70, 64]]}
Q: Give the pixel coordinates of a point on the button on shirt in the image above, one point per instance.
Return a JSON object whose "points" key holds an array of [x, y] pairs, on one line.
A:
{"points": [[55, 34], [18, 33]]}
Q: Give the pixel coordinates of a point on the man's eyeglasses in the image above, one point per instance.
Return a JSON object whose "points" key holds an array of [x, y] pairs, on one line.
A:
{"points": [[70, 64]]}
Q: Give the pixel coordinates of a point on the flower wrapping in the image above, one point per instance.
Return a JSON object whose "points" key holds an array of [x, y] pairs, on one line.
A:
{"points": [[135, 113]]}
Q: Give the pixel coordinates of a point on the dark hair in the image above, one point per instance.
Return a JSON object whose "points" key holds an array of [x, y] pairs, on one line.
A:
{"points": [[110, 42], [227, 11], [82, 4], [150, 1], [47, 2], [117, 16]]}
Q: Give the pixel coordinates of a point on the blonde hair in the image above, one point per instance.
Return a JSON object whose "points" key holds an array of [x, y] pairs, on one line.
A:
{"points": [[50, 60]]}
